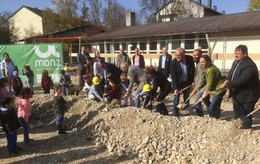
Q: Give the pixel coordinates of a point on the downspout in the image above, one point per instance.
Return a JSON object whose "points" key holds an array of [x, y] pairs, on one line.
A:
{"points": [[209, 48]]}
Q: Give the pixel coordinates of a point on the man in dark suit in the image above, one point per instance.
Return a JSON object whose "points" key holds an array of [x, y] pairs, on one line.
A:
{"points": [[110, 68], [182, 74], [81, 59], [165, 62], [243, 82]]}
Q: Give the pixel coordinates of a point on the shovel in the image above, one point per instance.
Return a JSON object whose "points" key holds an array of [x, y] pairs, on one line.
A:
{"points": [[183, 104], [238, 122], [250, 114], [187, 111], [172, 95]]}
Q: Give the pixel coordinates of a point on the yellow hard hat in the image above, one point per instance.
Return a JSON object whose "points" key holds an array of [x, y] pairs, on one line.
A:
{"points": [[66, 68], [122, 77], [147, 88], [96, 80]]}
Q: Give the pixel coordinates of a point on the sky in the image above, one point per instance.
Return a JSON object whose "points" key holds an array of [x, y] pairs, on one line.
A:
{"points": [[229, 6]]}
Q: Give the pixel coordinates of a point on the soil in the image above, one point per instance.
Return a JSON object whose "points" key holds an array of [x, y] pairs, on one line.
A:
{"points": [[98, 133]]}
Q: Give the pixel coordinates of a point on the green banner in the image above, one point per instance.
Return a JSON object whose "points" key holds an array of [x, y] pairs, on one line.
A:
{"points": [[38, 57]]}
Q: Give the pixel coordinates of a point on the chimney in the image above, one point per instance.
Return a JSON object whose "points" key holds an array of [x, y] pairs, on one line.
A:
{"points": [[199, 1], [214, 8], [209, 3], [223, 12], [130, 19]]}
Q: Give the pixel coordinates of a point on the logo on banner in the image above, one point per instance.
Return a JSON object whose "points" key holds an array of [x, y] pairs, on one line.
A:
{"points": [[44, 61], [50, 51]]}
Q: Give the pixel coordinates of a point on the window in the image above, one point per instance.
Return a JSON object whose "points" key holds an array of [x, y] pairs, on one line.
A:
{"points": [[164, 42], [189, 42], [101, 48], [134, 45], [124, 46], [203, 41], [142, 46], [116, 46], [108, 47], [153, 44], [176, 42]]}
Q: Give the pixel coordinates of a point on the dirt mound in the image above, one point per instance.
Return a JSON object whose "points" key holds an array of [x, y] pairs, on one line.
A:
{"points": [[98, 134]]}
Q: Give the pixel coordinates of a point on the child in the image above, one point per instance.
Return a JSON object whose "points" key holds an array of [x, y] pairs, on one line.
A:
{"points": [[73, 90], [60, 108], [95, 91], [147, 96], [65, 83], [46, 82], [67, 70], [113, 90], [10, 125], [125, 101], [87, 84], [17, 83], [29, 76], [24, 112], [3, 89]]}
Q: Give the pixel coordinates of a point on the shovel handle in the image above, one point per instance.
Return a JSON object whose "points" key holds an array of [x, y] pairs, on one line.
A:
{"points": [[250, 114]]}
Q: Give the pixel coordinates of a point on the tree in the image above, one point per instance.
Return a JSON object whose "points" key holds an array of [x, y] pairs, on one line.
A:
{"points": [[177, 9], [254, 5], [150, 7], [95, 12], [66, 14], [7, 35], [114, 15]]}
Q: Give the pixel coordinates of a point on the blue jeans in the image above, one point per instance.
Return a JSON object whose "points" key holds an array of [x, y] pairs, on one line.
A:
{"points": [[137, 98], [65, 91], [25, 129], [176, 101], [198, 107], [214, 105], [11, 141], [241, 110], [59, 121]]}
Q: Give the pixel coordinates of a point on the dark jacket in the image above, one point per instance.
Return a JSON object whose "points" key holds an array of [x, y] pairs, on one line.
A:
{"points": [[81, 59], [245, 85], [176, 72], [160, 81], [9, 120], [167, 64], [111, 68], [65, 81], [59, 104], [141, 61]]}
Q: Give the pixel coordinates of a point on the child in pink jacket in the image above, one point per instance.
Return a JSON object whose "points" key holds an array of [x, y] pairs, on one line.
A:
{"points": [[24, 112]]}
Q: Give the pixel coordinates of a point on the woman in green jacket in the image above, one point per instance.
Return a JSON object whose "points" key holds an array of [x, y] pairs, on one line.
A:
{"points": [[213, 81]]}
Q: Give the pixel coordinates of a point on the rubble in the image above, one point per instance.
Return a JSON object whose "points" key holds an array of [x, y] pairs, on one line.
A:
{"points": [[132, 135]]}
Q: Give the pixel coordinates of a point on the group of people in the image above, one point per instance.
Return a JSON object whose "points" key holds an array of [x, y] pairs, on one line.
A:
{"points": [[184, 75], [15, 106]]}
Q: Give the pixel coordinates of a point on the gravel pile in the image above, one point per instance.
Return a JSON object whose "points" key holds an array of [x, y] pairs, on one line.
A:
{"points": [[147, 137]]}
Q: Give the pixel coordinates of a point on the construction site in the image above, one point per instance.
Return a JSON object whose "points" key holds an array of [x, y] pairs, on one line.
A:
{"points": [[98, 133]]}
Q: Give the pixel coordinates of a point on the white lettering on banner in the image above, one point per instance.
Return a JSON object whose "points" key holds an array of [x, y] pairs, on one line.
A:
{"points": [[47, 63]]}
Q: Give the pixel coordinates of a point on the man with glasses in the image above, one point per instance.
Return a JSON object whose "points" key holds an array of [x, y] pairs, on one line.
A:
{"points": [[243, 82]]}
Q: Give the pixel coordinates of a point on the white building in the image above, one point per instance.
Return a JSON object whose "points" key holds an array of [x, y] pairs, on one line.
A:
{"points": [[27, 22], [187, 9]]}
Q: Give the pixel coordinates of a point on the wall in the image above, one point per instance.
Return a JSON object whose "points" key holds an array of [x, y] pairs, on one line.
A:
{"points": [[25, 19]]}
